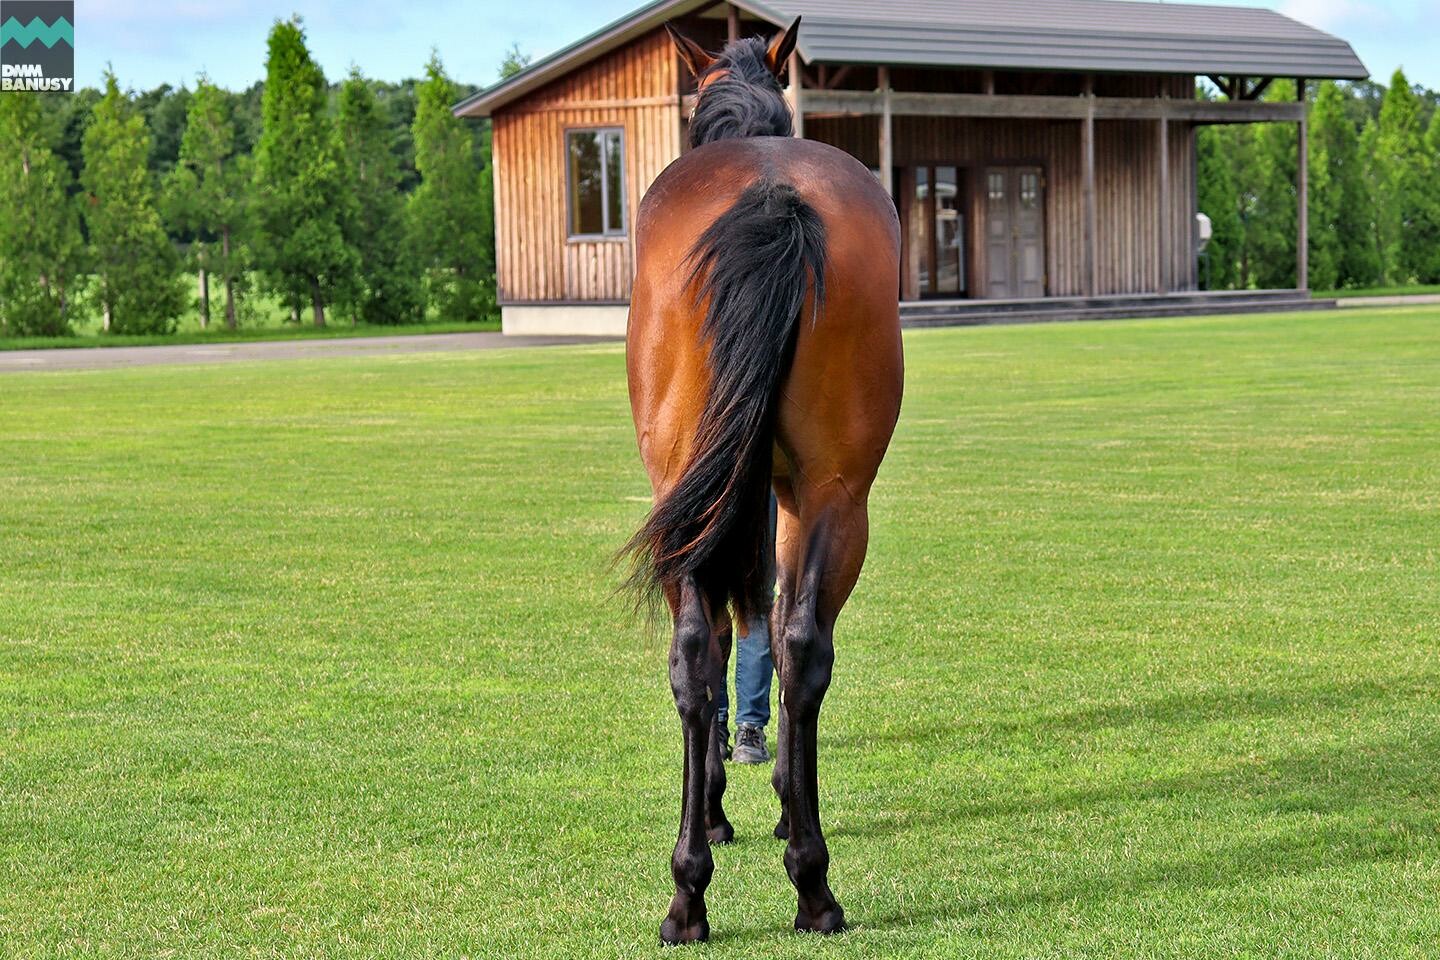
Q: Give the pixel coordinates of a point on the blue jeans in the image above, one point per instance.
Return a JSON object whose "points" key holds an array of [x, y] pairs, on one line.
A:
{"points": [[753, 666], [753, 670]]}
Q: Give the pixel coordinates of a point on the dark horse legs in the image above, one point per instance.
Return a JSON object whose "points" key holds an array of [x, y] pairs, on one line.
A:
{"points": [[820, 552], [717, 825], [694, 666]]}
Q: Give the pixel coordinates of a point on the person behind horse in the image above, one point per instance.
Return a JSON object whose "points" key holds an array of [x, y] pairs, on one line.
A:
{"points": [[754, 669]]}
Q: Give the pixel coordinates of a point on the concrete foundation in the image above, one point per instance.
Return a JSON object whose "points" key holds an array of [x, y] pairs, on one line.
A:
{"points": [[585, 319]]}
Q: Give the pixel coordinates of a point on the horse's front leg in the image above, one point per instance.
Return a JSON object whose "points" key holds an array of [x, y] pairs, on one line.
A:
{"points": [[691, 673]]}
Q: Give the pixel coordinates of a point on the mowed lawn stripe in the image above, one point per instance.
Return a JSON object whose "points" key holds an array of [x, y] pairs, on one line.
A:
{"points": [[323, 658]]}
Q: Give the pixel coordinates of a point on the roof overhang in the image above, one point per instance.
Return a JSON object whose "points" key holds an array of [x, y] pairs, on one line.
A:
{"points": [[596, 45], [1099, 38]]}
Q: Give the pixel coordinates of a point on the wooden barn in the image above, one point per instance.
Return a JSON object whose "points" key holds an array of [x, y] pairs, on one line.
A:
{"points": [[1041, 153]]}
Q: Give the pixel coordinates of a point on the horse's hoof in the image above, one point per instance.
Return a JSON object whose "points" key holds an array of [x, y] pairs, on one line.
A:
{"points": [[721, 833], [827, 921], [674, 932], [782, 831]]}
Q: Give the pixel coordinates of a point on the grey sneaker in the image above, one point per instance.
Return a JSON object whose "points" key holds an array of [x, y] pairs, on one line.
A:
{"points": [[750, 744]]}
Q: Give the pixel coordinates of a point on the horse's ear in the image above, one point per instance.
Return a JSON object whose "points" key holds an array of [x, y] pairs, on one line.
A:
{"points": [[781, 47], [695, 58]]}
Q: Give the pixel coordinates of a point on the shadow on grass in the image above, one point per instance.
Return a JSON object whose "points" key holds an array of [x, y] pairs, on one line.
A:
{"points": [[1363, 802]]}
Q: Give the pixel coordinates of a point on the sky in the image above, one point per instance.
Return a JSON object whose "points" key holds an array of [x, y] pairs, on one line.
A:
{"points": [[150, 42]]}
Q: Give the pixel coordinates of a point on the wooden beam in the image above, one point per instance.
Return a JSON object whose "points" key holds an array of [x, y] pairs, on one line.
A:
{"points": [[1255, 92], [732, 22], [1163, 128], [1302, 192], [1087, 152], [887, 135], [837, 78], [870, 103], [798, 106], [987, 82]]}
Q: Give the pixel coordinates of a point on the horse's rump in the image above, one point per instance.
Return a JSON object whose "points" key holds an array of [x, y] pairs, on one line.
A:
{"points": [[752, 269]]}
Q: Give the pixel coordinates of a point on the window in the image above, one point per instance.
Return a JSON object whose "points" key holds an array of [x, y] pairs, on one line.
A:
{"points": [[595, 182]]}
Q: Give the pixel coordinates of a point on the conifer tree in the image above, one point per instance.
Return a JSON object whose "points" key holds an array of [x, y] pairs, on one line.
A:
{"points": [[451, 226], [1427, 236], [389, 290], [206, 195], [1218, 194], [1400, 163], [137, 284], [40, 244], [1272, 227], [1342, 210], [301, 204]]}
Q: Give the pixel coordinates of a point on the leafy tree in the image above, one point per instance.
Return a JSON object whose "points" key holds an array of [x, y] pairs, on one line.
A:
{"points": [[206, 194], [301, 203], [165, 110], [1342, 209], [40, 244], [1273, 227], [389, 290], [513, 62], [1401, 169], [1219, 198], [137, 283], [1427, 234], [452, 228]]}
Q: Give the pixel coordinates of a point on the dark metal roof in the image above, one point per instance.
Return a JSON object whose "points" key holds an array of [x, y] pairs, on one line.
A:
{"points": [[1090, 35], [1119, 36]]}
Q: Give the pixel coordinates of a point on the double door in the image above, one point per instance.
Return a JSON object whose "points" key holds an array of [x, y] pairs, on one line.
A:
{"points": [[1014, 233], [1002, 208]]}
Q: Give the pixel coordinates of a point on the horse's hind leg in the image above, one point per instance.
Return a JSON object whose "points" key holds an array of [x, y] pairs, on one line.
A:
{"points": [[693, 653], [833, 535], [717, 825], [787, 540]]}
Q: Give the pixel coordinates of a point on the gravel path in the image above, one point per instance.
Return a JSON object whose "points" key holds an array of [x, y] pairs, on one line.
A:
{"points": [[97, 358]]}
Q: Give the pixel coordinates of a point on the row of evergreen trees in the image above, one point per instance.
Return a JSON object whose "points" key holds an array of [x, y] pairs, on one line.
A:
{"points": [[313, 197], [1374, 192]]}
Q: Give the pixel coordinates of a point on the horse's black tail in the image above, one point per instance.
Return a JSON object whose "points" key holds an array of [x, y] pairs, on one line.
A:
{"points": [[755, 264]]}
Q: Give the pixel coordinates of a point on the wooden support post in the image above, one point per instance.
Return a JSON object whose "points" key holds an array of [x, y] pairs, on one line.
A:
{"points": [[1302, 197], [987, 80], [1087, 150], [887, 135], [1163, 131], [797, 82], [732, 22]]}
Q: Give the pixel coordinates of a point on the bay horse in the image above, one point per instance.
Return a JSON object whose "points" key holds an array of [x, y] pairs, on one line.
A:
{"points": [[763, 351]]}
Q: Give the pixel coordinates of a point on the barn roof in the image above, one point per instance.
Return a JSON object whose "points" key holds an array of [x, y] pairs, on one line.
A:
{"points": [[1103, 36]]}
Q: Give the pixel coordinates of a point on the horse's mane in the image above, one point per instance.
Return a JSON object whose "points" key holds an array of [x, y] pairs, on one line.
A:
{"points": [[746, 102]]}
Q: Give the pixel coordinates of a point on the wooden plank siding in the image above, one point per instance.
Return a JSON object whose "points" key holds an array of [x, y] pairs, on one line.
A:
{"points": [[636, 88], [1127, 188]]}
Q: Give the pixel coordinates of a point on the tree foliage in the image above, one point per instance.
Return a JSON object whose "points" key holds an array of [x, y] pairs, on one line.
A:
{"points": [[1374, 191], [302, 206], [1401, 201], [206, 194], [136, 282], [40, 244], [452, 228], [390, 290]]}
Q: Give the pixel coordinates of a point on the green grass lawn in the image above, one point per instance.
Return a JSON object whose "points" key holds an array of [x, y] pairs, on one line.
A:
{"points": [[321, 659]]}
